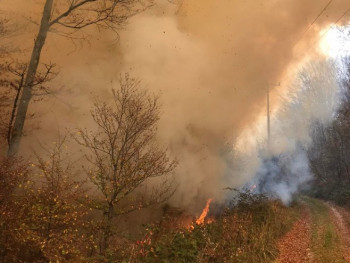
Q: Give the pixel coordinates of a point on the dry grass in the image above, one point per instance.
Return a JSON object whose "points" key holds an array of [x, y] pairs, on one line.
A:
{"points": [[325, 242], [246, 232]]}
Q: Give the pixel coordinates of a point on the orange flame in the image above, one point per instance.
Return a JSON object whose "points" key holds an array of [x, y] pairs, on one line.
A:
{"points": [[204, 213]]}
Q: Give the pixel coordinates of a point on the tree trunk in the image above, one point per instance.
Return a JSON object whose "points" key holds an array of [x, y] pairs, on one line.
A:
{"points": [[107, 232], [17, 131]]}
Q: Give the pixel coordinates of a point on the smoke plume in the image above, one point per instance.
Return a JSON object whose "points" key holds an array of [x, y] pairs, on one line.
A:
{"points": [[313, 98], [212, 62]]}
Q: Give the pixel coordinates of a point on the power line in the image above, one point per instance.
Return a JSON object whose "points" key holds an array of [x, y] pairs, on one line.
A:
{"points": [[321, 13], [316, 41], [347, 11], [313, 22], [339, 19]]}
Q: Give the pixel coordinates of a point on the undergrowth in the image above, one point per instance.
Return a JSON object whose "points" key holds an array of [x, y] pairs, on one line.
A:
{"points": [[338, 193], [247, 231]]}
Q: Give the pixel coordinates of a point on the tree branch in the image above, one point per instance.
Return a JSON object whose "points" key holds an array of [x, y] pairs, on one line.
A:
{"points": [[70, 10]]}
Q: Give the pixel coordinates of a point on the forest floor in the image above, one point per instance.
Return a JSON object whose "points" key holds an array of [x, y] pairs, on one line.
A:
{"points": [[322, 234]]}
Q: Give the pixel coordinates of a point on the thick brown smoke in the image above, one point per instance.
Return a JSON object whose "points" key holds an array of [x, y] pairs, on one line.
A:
{"points": [[212, 61]]}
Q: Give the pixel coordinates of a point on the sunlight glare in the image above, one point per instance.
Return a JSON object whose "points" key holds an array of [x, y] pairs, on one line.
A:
{"points": [[335, 42]]}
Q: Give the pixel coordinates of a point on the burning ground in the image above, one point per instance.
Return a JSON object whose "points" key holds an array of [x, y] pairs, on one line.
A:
{"points": [[253, 229]]}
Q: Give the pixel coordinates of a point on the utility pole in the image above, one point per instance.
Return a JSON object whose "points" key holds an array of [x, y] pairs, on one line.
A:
{"points": [[268, 115]]}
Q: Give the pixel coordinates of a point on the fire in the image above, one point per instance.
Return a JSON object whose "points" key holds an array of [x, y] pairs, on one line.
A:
{"points": [[252, 188], [204, 213]]}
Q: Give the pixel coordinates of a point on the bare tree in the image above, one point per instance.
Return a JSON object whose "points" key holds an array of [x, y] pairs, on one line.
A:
{"points": [[4, 92], [3, 31], [124, 153], [329, 155], [12, 83], [75, 15]]}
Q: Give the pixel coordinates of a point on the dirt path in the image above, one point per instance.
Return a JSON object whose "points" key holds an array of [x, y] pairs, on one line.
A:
{"points": [[294, 246], [322, 234], [338, 216]]}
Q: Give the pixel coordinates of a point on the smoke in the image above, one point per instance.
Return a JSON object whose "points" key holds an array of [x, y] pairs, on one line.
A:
{"points": [[282, 176], [212, 62], [314, 98]]}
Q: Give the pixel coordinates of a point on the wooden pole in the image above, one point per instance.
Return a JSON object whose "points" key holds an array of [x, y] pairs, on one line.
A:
{"points": [[268, 117]]}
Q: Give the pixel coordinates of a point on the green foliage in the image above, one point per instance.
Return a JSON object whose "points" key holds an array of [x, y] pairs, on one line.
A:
{"points": [[336, 192], [184, 248]]}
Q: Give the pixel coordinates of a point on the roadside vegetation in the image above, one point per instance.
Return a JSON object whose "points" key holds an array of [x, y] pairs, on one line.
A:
{"points": [[56, 210], [40, 225], [247, 231]]}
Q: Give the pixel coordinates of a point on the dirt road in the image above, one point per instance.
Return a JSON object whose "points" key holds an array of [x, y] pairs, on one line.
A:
{"points": [[321, 235]]}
